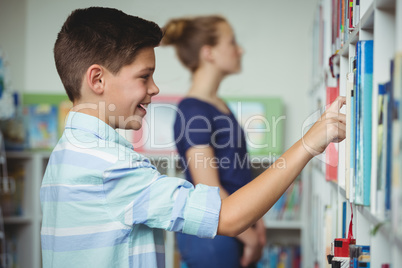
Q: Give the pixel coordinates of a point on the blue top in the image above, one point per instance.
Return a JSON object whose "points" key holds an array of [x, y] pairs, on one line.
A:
{"points": [[104, 205], [200, 123]]}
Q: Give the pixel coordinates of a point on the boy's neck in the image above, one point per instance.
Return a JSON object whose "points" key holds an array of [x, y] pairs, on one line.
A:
{"points": [[97, 110]]}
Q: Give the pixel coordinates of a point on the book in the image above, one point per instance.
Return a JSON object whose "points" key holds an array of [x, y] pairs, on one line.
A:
{"points": [[388, 147], [344, 218], [331, 153], [381, 149], [42, 126], [397, 154], [348, 142], [356, 12], [278, 255], [352, 177], [350, 15], [364, 91]]}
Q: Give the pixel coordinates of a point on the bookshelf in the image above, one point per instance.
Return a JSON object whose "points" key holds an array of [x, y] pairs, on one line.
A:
{"points": [[374, 223], [24, 229]]}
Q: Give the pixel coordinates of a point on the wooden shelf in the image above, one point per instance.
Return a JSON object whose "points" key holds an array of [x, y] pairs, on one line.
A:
{"points": [[286, 224], [17, 220]]}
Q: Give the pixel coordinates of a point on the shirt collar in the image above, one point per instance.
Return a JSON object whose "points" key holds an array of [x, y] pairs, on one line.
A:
{"points": [[95, 126]]}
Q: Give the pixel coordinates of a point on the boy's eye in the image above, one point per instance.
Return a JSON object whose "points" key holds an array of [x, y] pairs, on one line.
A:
{"points": [[145, 76]]}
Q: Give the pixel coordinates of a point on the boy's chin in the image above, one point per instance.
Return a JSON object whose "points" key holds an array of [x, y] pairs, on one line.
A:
{"points": [[134, 126], [137, 128]]}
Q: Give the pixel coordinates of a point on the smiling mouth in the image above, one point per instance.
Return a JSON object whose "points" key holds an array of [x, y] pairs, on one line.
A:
{"points": [[143, 107]]}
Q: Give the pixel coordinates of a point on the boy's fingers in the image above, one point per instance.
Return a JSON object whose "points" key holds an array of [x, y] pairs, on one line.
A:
{"points": [[339, 116], [337, 104]]}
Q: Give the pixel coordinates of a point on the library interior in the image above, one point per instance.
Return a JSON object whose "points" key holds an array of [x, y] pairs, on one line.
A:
{"points": [[345, 207]]}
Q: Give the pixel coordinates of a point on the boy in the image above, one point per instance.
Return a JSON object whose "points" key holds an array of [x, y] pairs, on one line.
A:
{"points": [[104, 205]]}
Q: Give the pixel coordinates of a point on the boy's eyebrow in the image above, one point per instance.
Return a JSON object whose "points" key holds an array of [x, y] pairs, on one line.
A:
{"points": [[150, 69]]}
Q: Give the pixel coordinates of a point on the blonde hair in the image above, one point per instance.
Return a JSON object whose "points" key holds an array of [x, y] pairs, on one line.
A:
{"points": [[189, 35]]}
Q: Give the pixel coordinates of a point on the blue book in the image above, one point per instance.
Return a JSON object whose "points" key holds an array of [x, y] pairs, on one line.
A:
{"points": [[356, 133], [388, 151], [344, 219], [364, 92]]}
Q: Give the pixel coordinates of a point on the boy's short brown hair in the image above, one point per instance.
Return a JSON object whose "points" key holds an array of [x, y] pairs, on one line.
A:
{"points": [[103, 36]]}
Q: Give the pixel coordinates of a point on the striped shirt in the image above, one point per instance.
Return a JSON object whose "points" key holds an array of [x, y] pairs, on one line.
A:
{"points": [[104, 205]]}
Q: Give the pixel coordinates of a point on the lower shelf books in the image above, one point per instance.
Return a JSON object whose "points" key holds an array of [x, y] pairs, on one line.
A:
{"points": [[280, 256], [345, 253], [11, 198], [11, 253], [288, 206]]}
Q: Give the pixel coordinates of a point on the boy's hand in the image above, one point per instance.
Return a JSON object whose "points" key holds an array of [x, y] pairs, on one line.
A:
{"points": [[330, 127]]}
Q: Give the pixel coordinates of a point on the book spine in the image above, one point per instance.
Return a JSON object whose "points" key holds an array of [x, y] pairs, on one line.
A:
{"points": [[352, 173], [388, 172], [350, 14], [367, 100], [381, 146], [348, 141], [364, 92], [357, 144], [331, 153]]}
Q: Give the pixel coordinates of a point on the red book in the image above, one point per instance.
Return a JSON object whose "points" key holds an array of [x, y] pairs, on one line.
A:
{"points": [[350, 15], [331, 153]]}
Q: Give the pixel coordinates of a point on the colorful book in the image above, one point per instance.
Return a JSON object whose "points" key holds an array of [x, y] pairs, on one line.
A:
{"points": [[364, 92], [42, 125]]}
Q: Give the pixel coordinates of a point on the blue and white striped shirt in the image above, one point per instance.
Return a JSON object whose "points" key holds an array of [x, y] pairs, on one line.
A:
{"points": [[104, 205]]}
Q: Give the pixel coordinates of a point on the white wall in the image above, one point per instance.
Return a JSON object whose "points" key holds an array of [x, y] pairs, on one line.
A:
{"points": [[276, 37], [13, 38]]}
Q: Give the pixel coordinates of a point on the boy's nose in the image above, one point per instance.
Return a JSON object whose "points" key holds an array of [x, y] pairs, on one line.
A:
{"points": [[153, 89]]}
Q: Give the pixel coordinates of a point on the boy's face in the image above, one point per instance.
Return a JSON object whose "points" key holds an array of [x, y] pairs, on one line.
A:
{"points": [[130, 91]]}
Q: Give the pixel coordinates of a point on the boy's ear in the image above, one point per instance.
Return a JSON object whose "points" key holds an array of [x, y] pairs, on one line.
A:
{"points": [[95, 78]]}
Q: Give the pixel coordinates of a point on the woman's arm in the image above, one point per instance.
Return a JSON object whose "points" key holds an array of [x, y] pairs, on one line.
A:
{"points": [[244, 207]]}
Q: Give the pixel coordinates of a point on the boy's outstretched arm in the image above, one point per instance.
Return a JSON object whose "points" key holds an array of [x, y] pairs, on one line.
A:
{"points": [[248, 204]]}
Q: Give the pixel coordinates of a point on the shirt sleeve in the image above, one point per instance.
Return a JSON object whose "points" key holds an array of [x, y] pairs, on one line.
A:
{"points": [[193, 126], [136, 193]]}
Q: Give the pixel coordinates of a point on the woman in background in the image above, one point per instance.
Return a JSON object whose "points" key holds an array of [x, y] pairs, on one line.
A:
{"points": [[209, 139]]}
